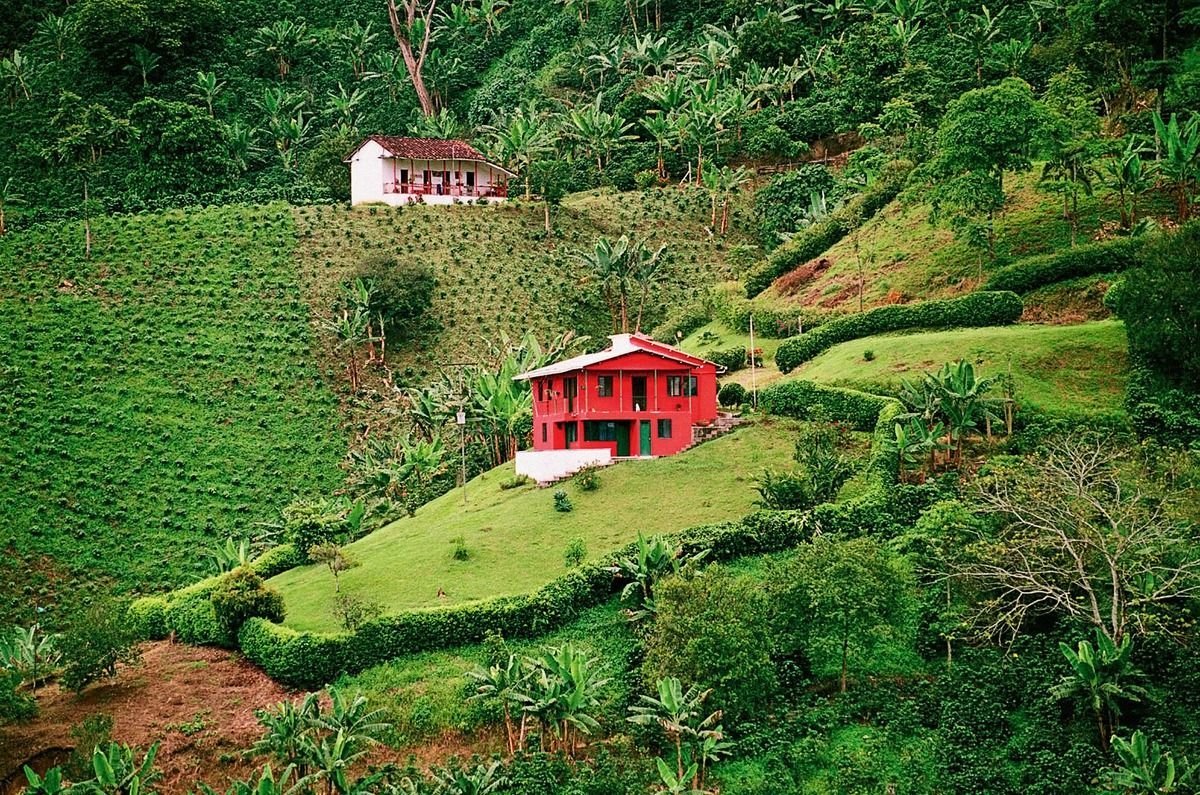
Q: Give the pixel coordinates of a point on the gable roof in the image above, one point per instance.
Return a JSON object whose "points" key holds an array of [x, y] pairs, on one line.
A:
{"points": [[620, 345], [427, 149]]}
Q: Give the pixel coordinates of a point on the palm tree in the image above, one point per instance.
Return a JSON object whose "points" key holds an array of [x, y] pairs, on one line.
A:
{"points": [[282, 40], [207, 87], [681, 716], [341, 105], [978, 34], [597, 131], [503, 682], [647, 268], [658, 127], [1127, 174], [1180, 147], [356, 41], [483, 779], [525, 139], [1103, 676]]}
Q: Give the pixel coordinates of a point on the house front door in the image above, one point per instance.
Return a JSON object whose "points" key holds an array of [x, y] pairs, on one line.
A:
{"points": [[639, 393], [645, 438], [622, 438]]}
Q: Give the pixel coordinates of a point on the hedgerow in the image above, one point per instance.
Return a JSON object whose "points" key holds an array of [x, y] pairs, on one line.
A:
{"points": [[819, 237], [311, 659], [1033, 272], [977, 309], [799, 398]]}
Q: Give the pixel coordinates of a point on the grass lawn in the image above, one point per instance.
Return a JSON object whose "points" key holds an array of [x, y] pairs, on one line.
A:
{"points": [[516, 539], [1077, 370]]}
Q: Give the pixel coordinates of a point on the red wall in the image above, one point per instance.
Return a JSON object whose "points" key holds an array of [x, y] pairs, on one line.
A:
{"points": [[684, 411]]}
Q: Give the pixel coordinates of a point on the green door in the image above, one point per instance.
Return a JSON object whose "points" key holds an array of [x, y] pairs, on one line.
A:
{"points": [[645, 437], [622, 438]]}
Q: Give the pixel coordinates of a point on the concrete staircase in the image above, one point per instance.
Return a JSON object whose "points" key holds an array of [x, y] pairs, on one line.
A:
{"points": [[724, 423]]}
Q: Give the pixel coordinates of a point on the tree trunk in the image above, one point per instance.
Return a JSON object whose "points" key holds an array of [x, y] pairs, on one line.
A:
{"points": [[546, 209], [414, 61], [845, 654], [87, 222]]}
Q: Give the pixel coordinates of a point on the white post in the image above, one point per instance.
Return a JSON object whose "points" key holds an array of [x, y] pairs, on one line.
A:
{"points": [[753, 368]]}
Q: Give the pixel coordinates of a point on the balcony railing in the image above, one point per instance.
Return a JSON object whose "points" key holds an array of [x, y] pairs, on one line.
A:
{"points": [[463, 191]]}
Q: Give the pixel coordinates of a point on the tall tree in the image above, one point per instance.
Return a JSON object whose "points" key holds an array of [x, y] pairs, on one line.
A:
{"points": [[413, 27]]}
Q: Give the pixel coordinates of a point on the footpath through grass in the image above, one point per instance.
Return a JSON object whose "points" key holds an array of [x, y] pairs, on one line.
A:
{"points": [[515, 539], [154, 399], [1069, 370]]}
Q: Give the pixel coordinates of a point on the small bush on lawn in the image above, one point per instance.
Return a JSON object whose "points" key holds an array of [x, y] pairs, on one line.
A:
{"points": [[97, 641], [310, 523], [731, 395], [242, 594], [515, 482], [576, 553], [353, 612], [588, 478], [460, 548], [562, 503], [976, 309]]}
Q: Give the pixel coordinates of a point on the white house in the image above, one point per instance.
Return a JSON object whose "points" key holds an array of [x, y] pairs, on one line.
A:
{"points": [[396, 170]]}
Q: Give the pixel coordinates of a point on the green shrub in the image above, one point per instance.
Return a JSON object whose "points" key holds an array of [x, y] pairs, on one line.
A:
{"points": [[147, 617], [460, 548], [562, 503], [311, 522], [976, 309], [96, 642], [732, 359], [515, 482], [1160, 304], [816, 239], [783, 491], [575, 553], [403, 291], [682, 322], [781, 203], [242, 594], [193, 619], [731, 394], [276, 560], [1030, 273], [806, 400], [15, 704], [709, 632], [588, 478]]}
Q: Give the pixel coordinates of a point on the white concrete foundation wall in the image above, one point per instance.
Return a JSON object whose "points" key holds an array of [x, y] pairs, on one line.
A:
{"points": [[547, 466]]}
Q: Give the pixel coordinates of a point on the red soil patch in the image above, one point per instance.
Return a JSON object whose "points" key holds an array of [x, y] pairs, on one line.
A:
{"points": [[791, 283], [213, 690]]}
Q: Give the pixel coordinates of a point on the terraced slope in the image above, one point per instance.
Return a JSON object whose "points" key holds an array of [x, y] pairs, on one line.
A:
{"points": [[153, 400]]}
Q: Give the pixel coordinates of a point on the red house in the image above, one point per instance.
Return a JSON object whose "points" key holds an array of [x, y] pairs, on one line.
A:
{"points": [[637, 398]]}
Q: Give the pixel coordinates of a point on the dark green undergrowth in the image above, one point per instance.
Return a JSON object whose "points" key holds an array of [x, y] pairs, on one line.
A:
{"points": [[154, 400]]}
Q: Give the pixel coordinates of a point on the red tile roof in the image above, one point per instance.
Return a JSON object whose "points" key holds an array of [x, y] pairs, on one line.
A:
{"points": [[428, 148]]}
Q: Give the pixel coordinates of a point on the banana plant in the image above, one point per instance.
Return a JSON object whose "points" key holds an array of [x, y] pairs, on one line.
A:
{"points": [[655, 558], [231, 554], [1143, 766], [49, 784], [480, 780], [680, 714], [676, 783], [32, 653], [117, 772], [1104, 677], [504, 682], [1180, 142]]}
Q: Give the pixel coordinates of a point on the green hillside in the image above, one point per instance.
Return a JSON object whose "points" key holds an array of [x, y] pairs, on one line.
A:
{"points": [[1077, 370], [499, 273], [906, 257], [515, 539], [153, 400]]}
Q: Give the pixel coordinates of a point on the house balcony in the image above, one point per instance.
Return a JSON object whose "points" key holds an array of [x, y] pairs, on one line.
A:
{"points": [[446, 192]]}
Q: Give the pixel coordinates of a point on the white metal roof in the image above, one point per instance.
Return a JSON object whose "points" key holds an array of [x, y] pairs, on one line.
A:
{"points": [[621, 344]]}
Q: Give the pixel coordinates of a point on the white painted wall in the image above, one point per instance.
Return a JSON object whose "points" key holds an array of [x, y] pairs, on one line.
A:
{"points": [[547, 466], [377, 178], [366, 174]]}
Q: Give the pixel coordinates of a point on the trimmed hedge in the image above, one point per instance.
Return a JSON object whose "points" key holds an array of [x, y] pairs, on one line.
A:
{"points": [[815, 240], [732, 359], [977, 309], [798, 398], [734, 310], [681, 323], [1031, 273], [189, 612]]}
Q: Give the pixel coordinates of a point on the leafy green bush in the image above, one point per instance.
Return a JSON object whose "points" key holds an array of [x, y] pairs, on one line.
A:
{"points": [[731, 394], [682, 322], [806, 400], [816, 239], [780, 204], [588, 478], [783, 491], [732, 359], [1031, 273], [96, 642], [575, 554], [403, 291], [242, 594], [976, 309], [1160, 304], [562, 503], [709, 631], [147, 617]]}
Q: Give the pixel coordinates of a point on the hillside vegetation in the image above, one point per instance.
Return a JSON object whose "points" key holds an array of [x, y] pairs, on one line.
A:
{"points": [[515, 540], [156, 399], [499, 274]]}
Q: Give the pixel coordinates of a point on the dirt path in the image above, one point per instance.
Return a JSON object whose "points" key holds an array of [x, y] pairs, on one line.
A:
{"points": [[200, 702]]}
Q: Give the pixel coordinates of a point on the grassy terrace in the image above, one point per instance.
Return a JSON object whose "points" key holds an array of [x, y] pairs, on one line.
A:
{"points": [[516, 539], [1076, 370]]}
